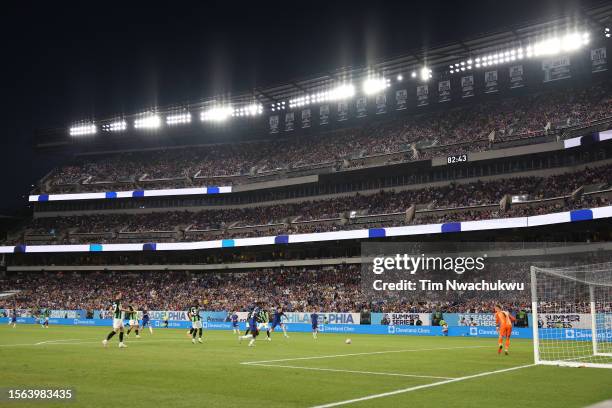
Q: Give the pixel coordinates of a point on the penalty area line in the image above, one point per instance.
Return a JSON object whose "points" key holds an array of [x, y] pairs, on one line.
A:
{"points": [[55, 341], [420, 387], [367, 353], [337, 370]]}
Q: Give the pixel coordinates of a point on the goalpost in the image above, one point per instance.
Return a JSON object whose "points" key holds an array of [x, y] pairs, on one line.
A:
{"points": [[572, 315]]}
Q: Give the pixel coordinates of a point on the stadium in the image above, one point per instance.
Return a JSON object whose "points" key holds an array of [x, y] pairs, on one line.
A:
{"points": [[431, 228]]}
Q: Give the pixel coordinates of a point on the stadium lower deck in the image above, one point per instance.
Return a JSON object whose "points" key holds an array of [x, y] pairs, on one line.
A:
{"points": [[166, 369]]}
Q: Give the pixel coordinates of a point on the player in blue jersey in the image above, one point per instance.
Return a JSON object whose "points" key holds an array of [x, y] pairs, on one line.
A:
{"points": [[314, 320], [250, 315], [13, 320], [277, 320], [44, 318], [146, 321], [253, 332], [234, 320]]}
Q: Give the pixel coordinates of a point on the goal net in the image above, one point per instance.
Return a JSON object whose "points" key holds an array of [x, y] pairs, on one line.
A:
{"points": [[572, 315]]}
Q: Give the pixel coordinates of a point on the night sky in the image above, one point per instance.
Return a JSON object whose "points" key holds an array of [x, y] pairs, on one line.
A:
{"points": [[65, 62]]}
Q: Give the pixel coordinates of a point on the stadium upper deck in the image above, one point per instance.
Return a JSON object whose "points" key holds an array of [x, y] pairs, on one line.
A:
{"points": [[525, 84], [531, 118]]}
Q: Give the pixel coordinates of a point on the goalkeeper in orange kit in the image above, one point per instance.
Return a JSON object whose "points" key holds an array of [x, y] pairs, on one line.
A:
{"points": [[503, 323]]}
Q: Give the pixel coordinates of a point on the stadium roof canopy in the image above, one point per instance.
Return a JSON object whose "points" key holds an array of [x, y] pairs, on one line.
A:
{"points": [[437, 58]]}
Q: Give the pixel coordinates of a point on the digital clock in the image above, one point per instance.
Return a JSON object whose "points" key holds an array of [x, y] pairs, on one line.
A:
{"points": [[457, 158]]}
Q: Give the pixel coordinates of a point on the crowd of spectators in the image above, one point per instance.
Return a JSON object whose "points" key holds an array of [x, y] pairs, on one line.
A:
{"points": [[474, 127], [453, 202], [332, 289]]}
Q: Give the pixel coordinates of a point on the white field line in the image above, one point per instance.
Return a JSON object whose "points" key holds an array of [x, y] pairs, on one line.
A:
{"points": [[44, 343], [351, 371], [419, 387], [55, 341], [370, 353]]}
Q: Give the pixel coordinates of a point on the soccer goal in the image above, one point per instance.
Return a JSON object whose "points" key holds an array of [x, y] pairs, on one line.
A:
{"points": [[572, 315]]}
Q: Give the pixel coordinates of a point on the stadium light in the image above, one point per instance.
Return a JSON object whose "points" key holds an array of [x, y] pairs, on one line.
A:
{"points": [[344, 91], [279, 106], [217, 114], [607, 32], [83, 129], [178, 119], [375, 85], [550, 46], [249, 110], [148, 122], [117, 126], [425, 74], [400, 78]]}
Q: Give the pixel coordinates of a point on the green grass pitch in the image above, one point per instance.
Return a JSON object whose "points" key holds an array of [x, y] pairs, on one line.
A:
{"points": [[166, 370]]}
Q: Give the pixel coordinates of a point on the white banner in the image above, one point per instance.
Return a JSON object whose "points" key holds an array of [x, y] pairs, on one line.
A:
{"points": [[599, 61], [444, 91], [274, 124], [490, 78], [476, 319], [342, 111], [289, 119], [422, 95], [361, 107], [324, 114], [564, 320], [401, 96], [381, 103], [516, 76], [64, 314], [306, 115], [467, 86], [172, 314], [405, 319], [304, 317], [556, 68]]}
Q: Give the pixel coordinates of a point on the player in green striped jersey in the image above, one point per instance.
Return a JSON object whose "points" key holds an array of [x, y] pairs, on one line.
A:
{"points": [[196, 323], [132, 315], [118, 312]]}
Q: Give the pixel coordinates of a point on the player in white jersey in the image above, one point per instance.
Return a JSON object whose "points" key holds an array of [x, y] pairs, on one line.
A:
{"points": [[133, 322], [118, 313], [263, 323], [196, 323]]}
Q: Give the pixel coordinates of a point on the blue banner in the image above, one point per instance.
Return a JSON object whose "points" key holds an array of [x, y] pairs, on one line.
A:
{"points": [[453, 331]]}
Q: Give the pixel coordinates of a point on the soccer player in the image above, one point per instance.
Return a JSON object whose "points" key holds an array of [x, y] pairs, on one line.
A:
{"points": [[13, 320], [118, 313], [314, 320], [134, 324], [196, 323], [277, 320], [234, 320], [146, 321], [45, 317], [248, 319], [503, 323], [165, 319], [444, 326], [253, 332], [263, 322]]}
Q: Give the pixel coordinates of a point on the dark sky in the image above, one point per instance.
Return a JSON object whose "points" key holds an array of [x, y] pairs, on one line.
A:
{"points": [[65, 61]]}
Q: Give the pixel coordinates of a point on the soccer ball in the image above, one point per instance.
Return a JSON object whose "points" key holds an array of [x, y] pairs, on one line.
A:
{"points": [[348, 341]]}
